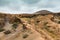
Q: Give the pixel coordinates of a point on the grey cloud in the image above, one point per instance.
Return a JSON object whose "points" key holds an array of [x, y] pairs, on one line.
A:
{"points": [[29, 5], [30, 2], [4, 2]]}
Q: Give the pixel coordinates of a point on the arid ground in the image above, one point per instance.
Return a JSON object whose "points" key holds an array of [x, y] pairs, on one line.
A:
{"points": [[41, 25]]}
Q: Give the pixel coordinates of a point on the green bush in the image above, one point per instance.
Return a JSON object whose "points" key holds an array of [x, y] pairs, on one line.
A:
{"points": [[25, 36], [7, 32], [1, 29], [16, 20], [58, 22], [15, 26]]}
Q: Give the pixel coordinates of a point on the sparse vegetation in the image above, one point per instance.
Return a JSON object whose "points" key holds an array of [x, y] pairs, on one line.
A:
{"points": [[2, 24], [1, 29], [15, 26], [7, 32], [46, 27], [55, 19], [16, 20], [45, 23], [37, 21], [58, 22], [24, 27], [25, 35]]}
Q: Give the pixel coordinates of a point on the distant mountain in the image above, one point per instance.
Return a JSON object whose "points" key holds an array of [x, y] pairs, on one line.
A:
{"points": [[43, 12]]}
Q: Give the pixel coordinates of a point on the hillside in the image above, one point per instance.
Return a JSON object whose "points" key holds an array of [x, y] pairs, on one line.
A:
{"points": [[41, 25]]}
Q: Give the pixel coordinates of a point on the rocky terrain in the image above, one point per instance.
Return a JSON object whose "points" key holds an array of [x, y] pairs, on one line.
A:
{"points": [[41, 25]]}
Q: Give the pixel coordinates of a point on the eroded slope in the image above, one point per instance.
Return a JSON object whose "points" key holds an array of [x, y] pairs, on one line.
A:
{"points": [[41, 26]]}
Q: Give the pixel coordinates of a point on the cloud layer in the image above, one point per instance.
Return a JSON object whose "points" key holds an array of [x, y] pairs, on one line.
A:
{"points": [[29, 6]]}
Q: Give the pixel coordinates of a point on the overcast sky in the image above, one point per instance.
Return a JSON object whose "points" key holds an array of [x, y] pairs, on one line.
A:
{"points": [[29, 6]]}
